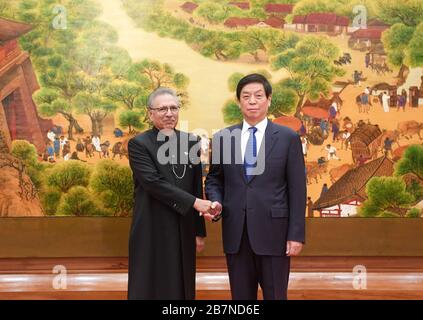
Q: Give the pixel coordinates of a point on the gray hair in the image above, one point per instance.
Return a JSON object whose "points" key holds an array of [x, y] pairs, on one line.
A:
{"points": [[160, 92]]}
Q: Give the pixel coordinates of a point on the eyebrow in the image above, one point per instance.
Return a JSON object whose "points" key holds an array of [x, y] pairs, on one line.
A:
{"points": [[258, 91], [167, 106]]}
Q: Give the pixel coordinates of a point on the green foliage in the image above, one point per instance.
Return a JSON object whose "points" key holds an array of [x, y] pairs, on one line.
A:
{"points": [[386, 196], [415, 52], [411, 162], [305, 7], [125, 93], [152, 74], [79, 202], [24, 151], [414, 213], [396, 40], [63, 176], [114, 184], [284, 101], [409, 13], [403, 41], [27, 153], [231, 112], [311, 68], [50, 200], [212, 12], [131, 119], [233, 80], [415, 189]]}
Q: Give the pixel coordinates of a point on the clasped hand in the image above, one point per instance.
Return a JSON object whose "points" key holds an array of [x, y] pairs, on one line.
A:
{"points": [[207, 208]]}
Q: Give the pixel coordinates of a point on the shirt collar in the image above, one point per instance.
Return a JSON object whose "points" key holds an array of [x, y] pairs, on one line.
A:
{"points": [[261, 126]]}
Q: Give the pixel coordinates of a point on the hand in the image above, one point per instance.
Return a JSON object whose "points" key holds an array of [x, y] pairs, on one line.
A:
{"points": [[215, 210], [201, 242], [293, 248], [202, 206]]}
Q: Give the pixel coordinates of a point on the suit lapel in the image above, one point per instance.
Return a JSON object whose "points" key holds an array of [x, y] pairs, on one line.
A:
{"points": [[266, 146], [236, 149]]}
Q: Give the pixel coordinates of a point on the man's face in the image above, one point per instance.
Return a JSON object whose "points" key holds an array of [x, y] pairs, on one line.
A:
{"points": [[254, 103], [161, 112]]}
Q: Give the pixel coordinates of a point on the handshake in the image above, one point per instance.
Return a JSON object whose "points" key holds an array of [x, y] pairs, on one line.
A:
{"points": [[210, 210]]}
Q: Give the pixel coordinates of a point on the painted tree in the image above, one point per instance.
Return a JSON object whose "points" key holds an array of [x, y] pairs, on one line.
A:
{"points": [[310, 67], [255, 40], [220, 45], [79, 202], [153, 74], [96, 108], [403, 40], [411, 162], [387, 196], [26, 153], [212, 12], [113, 183], [132, 120], [60, 86], [65, 175], [409, 13], [132, 99]]}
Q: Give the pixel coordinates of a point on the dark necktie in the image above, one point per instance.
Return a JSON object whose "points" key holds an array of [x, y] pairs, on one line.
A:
{"points": [[250, 157]]}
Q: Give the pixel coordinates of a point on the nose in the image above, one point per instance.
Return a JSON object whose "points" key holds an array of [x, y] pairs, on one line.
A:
{"points": [[168, 113], [252, 100]]}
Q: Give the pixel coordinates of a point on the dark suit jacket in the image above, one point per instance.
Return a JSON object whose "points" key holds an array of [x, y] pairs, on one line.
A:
{"points": [[273, 203]]}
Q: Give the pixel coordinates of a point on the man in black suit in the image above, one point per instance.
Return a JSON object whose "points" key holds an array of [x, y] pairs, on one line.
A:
{"points": [[257, 185], [166, 225]]}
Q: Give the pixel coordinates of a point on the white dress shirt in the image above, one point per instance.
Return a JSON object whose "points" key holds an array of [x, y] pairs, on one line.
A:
{"points": [[245, 134]]}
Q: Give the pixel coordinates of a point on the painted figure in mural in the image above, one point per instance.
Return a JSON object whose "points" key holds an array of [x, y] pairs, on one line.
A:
{"points": [[79, 145], [51, 135], [385, 102], [331, 152], [402, 100], [304, 144], [118, 133], [262, 228], [167, 226], [96, 143]]}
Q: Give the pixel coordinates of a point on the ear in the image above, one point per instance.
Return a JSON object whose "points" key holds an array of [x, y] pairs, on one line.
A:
{"points": [[150, 115]]}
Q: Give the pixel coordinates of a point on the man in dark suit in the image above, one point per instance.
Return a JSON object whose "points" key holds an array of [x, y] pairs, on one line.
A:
{"points": [[166, 225], [257, 185]]}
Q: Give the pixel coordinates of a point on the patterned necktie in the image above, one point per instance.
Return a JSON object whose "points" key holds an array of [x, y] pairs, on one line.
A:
{"points": [[250, 157]]}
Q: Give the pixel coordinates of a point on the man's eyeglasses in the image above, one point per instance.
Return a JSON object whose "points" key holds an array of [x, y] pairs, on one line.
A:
{"points": [[163, 110]]}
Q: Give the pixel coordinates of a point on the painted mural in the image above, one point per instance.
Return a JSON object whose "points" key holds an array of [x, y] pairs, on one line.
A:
{"points": [[75, 76]]}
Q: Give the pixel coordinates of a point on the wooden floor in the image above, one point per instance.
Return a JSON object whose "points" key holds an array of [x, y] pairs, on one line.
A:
{"points": [[311, 278]]}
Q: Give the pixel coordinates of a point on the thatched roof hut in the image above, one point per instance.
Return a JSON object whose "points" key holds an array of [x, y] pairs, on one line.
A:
{"points": [[352, 185], [364, 141]]}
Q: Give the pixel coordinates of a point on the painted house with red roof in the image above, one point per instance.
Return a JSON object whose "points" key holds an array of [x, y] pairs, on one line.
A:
{"points": [[189, 7], [277, 9], [321, 22], [235, 22], [275, 22], [18, 114], [366, 39], [241, 5], [272, 22]]}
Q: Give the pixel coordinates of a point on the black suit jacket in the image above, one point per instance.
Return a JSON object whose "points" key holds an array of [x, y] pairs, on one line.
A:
{"points": [[272, 203]]}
